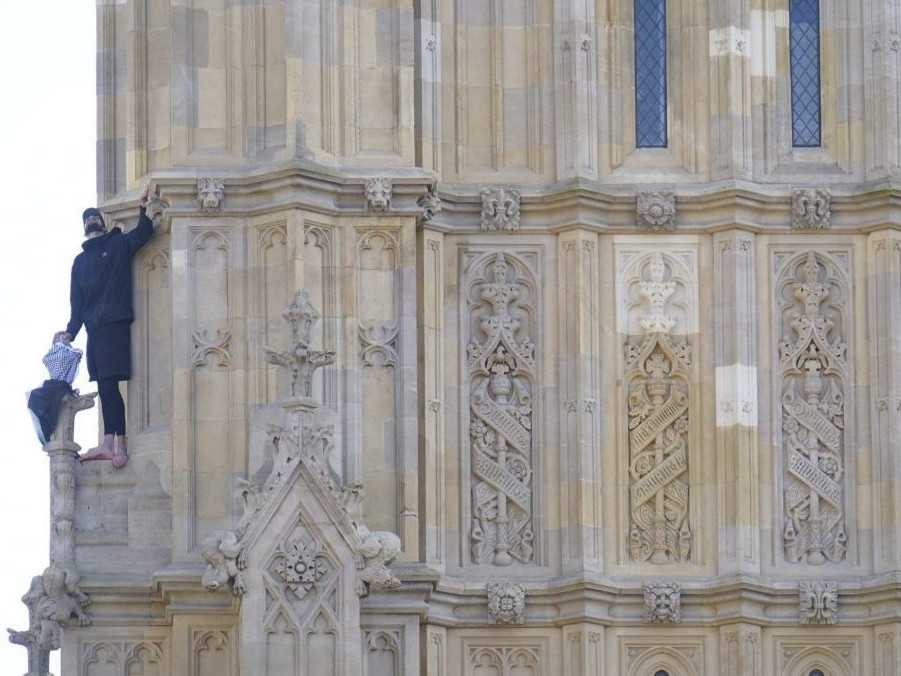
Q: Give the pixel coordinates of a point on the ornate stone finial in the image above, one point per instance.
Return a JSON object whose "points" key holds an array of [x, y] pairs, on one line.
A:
{"points": [[54, 600], [210, 192], [811, 209], [500, 208], [818, 602], [378, 550], [656, 210], [301, 359], [506, 602], [662, 602], [430, 204], [225, 562], [378, 193]]}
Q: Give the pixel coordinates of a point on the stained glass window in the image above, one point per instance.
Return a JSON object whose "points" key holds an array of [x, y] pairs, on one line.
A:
{"points": [[816, 672], [804, 47], [650, 73], [661, 673]]}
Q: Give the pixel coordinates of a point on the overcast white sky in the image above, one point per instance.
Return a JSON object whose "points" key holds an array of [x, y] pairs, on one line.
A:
{"points": [[47, 177]]}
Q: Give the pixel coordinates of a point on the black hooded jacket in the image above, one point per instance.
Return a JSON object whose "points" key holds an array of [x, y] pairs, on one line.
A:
{"points": [[101, 291]]}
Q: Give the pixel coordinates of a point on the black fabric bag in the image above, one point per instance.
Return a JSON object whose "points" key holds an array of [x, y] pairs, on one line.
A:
{"points": [[45, 403]]}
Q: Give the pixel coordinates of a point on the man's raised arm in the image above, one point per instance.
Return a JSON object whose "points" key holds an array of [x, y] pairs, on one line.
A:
{"points": [[144, 231]]}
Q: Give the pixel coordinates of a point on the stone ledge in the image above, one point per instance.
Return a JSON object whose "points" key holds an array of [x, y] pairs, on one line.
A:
{"points": [[759, 207]]}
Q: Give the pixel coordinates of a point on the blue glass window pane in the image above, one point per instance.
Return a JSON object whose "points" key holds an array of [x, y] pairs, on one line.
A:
{"points": [[650, 73], [804, 47]]}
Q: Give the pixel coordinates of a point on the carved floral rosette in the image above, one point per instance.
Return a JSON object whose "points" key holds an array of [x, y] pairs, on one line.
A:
{"points": [[501, 366], [657, 376], [812, 295]]}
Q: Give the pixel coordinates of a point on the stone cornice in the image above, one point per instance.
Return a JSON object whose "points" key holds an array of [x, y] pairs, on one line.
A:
{"points": [[708, 207], [706, 602]]}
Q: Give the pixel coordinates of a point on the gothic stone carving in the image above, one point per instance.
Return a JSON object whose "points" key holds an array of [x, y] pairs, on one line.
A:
{"points": [[657, 366], [506, 661], [506, 602], [662, 602], [379, 343], [53, 600], [818, 602], [501, 364], [430, 204], [811, 209], [301, 359], [210, 192], [814, 368], [206, 344], [500, 208], [300, 564], [656, 210], [378, 193], [225, 562], [379, 548]]}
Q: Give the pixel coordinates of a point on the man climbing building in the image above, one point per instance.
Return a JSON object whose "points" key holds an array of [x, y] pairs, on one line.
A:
{"points": [[101, 299]]}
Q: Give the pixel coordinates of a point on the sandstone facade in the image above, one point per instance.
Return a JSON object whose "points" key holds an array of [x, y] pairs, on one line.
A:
{"points": [[628, 411]]}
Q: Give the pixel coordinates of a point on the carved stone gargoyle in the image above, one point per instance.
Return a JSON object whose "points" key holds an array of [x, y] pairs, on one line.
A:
{"points": [[54, 600]]}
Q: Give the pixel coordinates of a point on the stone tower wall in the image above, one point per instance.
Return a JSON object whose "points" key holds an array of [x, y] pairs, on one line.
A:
{"points": [[654, 394]]}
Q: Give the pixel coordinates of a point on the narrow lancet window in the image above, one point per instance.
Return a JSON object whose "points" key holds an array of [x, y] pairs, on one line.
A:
{"points": [[650, 73], [804, 47]]}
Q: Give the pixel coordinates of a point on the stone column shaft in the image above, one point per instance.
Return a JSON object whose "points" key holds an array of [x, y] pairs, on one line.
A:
{"points": [[575, 65], [735, 359], [741, 650], [888, 649], [730, 89], [579, 363], [432, 406], [884, 269], [583, 650]]}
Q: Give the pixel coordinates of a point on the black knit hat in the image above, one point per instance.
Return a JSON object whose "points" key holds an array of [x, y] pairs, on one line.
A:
{"points": [[91, 211]]}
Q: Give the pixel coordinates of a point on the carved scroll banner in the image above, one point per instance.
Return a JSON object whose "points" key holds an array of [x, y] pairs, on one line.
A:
{"points": [[657, 375], [812, 294], [501, 364]]}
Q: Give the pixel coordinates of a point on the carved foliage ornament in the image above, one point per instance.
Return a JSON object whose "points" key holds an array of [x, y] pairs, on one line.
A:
{"points": [[500, 208], [210, 192], [378, 193], [301, 565], [657, 373], [818, 602], [656, 210], [811, 209], [502, 374], [813, 363], [662, 603], [506, 602]]}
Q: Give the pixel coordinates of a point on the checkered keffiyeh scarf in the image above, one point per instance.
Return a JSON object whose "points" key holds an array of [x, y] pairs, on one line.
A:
{"points": [[62, 362]]}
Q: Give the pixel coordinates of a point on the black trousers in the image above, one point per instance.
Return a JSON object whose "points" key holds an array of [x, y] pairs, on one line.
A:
{"points": [[112, 406]]}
